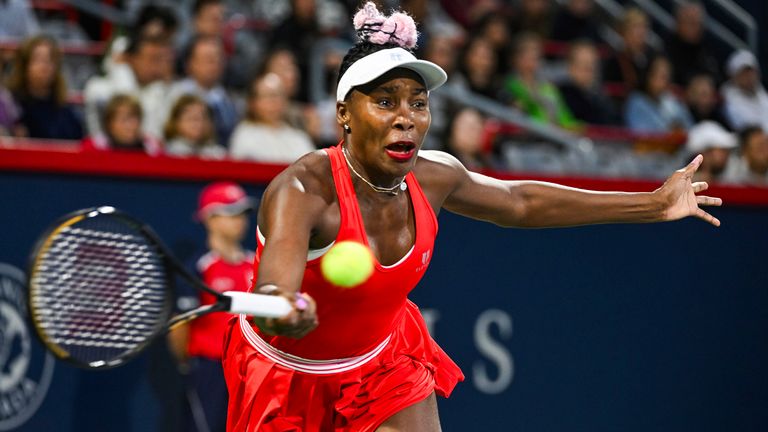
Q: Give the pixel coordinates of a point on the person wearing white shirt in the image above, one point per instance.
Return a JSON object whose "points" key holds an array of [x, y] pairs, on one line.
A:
{"points": [[746, 101], [264, 135]]}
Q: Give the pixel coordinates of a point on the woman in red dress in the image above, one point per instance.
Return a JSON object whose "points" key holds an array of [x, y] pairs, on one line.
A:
{"points": [[361, 359]]}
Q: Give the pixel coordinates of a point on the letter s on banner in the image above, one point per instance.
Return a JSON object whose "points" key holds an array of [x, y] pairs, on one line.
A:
{"points": [[494, 351]]}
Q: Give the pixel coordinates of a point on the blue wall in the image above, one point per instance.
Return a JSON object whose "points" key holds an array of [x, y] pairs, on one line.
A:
{"points": [[634, 328]]}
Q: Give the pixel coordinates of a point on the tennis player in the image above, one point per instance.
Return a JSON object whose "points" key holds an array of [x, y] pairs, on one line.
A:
{"points": [[361, 359]]}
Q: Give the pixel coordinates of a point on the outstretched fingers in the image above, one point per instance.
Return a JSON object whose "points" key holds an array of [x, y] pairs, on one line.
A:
{"points": [[691, 168], [701, 214], [700, 187], [703, 200]]}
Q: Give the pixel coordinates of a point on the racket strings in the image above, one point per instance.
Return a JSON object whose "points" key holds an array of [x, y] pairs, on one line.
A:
{"points": [[99, 289]]}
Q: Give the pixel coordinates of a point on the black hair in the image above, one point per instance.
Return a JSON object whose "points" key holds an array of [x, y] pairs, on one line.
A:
{"points": [[645, 77], [135, 42], [150, 13], [198, 5], [746, 133]]}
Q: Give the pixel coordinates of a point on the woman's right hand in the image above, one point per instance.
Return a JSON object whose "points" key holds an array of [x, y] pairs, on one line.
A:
{"points": [[300, 321]]}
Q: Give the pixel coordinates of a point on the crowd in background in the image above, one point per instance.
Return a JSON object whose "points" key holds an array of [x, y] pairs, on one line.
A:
{"points": [[176, 82]]}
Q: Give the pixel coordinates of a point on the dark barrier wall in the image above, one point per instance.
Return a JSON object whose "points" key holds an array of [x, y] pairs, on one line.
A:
{"points": [[658, 327]]}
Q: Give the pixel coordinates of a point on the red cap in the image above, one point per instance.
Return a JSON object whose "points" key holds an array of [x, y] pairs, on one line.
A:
{"points": [[225, 198]]}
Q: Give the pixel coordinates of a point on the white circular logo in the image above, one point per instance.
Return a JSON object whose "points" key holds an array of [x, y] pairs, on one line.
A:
{"points": [[25, 368]]}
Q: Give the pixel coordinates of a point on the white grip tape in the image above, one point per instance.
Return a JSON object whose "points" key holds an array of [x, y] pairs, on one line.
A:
{"points": [[267, 306]]}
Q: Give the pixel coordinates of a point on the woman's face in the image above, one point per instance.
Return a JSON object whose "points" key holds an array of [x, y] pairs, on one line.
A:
{"points": [[283, 63], [480, 58], [528, 58], [497, 32], [193, 123], [659, 77], [583, 66], [42, 67], [389, 119], [125, 126], [635, 35], [467, 132], [270, 101]]}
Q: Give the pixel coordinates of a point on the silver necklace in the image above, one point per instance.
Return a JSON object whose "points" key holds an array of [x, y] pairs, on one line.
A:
{"points": [[394, 190]]}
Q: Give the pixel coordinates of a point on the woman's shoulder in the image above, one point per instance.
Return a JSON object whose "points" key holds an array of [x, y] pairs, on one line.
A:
{"points": [[311, 173], [438, 166]]}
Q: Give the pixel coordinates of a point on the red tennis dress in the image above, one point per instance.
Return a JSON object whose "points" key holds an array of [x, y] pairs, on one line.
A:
{"points": [[370, 357]]}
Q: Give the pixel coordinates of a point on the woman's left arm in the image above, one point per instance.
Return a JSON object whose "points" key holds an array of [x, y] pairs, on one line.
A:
{"points": [[533, 204]]}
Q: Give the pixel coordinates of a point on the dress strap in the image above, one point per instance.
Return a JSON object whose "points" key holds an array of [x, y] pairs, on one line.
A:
{"points": [[345, 192]]}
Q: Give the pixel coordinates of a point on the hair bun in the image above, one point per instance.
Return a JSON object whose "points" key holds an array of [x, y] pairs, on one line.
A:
{"points": [[398, 28]]}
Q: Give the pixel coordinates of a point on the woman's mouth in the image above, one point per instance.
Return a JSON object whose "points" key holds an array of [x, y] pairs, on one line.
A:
{"points": [[401, 151]]}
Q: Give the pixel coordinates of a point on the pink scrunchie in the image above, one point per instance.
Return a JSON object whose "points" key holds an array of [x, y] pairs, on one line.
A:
{"points": [[398, 28]]}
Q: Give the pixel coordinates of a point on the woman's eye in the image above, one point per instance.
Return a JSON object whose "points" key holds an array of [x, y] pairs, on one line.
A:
{"points": [[385, 103], [420, 104]]}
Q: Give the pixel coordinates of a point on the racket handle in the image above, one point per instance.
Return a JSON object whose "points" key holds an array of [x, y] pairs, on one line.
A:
{"points": [[267, 306]]}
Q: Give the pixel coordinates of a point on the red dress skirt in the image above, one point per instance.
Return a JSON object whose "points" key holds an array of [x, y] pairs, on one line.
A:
{"points": [[272, 391]]}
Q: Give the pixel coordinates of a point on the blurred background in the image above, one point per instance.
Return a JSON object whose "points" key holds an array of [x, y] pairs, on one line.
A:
{"points": [[140, 104]]}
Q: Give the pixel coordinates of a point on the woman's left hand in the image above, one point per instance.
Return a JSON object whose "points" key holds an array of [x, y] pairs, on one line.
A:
{"points": [[678, 195]]}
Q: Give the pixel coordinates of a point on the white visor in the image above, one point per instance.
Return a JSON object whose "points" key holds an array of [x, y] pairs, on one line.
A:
{"points": [[377, 64]]}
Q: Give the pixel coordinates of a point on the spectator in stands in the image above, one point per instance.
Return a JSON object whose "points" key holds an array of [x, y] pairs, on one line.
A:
{"points": [[713, 142], [205, 66], [282, 62], [751, 167], [299, 31], [122, 129], [464, 140], [576, 21], [535, 96], [17, 20], [533, 16], [653, 108], [440, 50], [582, 91], [189, 130], [9, 113], [746, 101], [208, 19], [141, 73], [686, 48], [318, 119], [630, 63], [493, 27], [152, 21], [40, 91], [477, 69], [264, 135], [703, 101]]}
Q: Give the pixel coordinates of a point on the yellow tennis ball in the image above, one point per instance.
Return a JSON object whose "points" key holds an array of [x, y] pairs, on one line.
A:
{"points": [[347, 264]]}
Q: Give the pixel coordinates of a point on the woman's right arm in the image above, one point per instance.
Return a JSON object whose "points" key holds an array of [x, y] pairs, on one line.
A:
{"points": [[289, 211]]}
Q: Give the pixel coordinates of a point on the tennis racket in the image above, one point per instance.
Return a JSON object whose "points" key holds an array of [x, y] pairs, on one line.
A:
{"points": [[100, 289]]}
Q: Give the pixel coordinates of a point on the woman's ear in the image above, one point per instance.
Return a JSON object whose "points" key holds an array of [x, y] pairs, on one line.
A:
{"points": [[342, 113]]}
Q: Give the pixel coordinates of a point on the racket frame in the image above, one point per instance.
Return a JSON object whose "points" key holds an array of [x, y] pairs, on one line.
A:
{"points": [[170, 263]]}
